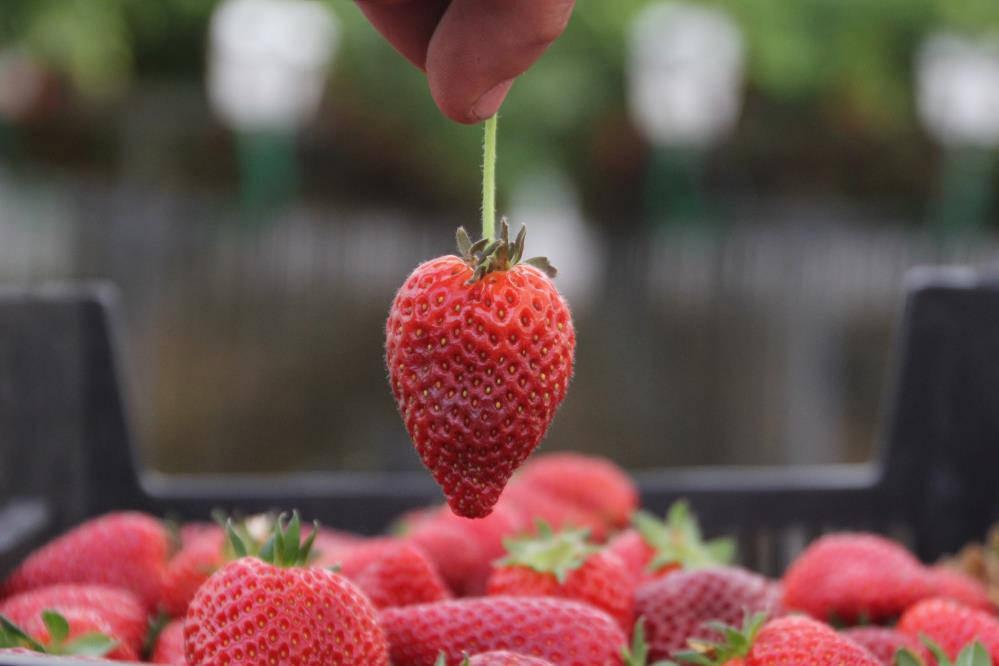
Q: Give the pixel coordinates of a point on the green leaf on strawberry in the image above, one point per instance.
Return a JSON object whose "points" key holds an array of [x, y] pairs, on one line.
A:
{"points": [[548, 552], [284, 548], [92, 644], [973, 654], [678, 540]]}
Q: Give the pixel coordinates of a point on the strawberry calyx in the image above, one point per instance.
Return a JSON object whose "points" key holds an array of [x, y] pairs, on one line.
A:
{"points": [[549, 552], [637, 654], [487, 256], [91, 644], [284, 548], [677, 540], [735, 644], [442, 660], [973, 654]]}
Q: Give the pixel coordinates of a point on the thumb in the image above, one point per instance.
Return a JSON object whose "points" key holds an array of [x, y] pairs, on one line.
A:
{"points": [[481, 46]]}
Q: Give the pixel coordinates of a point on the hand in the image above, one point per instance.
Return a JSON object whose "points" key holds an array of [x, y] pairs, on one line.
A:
{"points": [[471, 50]]}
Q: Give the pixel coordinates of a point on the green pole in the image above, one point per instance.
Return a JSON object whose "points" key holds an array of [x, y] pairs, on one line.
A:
{"points": [[966, 194], [269, 176]]}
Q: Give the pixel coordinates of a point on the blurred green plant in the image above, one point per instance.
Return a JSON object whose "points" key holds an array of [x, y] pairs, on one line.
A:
{"points": [[843, 67]]}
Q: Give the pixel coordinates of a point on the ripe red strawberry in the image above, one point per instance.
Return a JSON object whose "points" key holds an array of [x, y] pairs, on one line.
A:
{"points": [[883, 643], [127, 550], [114, 612], [952, 626], [170, 645], [458, 558], [805, 642], [654, 548], [594, 485], [487, 534], [679, 607], [504, 658], [565, 565], [331, 546], [953, 584], [853, 576], [561, 631], [189, 568], [256, 611], [400, 575], [534, 504], [479, 350]]}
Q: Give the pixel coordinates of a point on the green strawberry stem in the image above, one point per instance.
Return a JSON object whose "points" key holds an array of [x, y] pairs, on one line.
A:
{"points": [[489, 180]]}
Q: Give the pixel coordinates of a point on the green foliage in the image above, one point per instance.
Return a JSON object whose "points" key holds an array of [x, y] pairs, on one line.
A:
{"points": [[842, 68]]}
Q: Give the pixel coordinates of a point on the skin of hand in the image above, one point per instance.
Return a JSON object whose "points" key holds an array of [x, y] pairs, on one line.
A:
{"points": [[471, 50]]}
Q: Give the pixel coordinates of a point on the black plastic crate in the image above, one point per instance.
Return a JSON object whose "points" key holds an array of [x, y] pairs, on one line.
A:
{"points": [[66, 447]]}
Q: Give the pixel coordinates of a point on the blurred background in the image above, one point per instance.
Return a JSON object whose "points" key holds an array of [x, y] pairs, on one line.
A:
{"points": [[732, 190]]}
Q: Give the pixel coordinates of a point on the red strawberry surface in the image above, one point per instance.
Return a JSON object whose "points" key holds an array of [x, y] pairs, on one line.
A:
{"points": [[565, 565], [952, 584], [678, 607], [170, 645], [199, 557], [479, 350], [884, 642], [803, 641], [458, 557], [126, 550], [114, 612], [566, 633], [952, 626], [594, 485], [255, 612], [535, 504], [399, 576], [505, 658], [850, 577]]}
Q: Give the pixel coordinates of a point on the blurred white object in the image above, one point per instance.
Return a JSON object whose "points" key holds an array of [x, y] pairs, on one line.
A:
{"points": [[549, 205], [685, 73], [268, 62], [22, 81], [958, 90]]}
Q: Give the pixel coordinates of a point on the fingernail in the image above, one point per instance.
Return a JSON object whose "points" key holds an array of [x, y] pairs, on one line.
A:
{"points": [[489, 103]]}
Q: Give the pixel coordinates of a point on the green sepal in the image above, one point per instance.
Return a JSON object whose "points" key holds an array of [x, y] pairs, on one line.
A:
{"points": [[86, 645], [735, 643], [678, 540], [57, 626], [90, 645], [156, 626], [905, 657], [972, 654], [234, 541], [637, 654], [285, 547], [485, 256], [549, 552], [935, 650], [13, 636]]}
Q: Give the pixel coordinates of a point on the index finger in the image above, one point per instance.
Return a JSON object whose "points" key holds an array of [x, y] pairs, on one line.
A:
{"points": [[408, 25], [481, 46]]}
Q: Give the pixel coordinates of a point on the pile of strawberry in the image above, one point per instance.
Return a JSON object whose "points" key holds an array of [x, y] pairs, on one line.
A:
{"points": [[564, 571]]}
